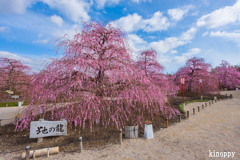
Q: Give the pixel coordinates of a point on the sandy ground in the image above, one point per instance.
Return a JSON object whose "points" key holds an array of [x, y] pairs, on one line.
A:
{"points": [[216, 128]]}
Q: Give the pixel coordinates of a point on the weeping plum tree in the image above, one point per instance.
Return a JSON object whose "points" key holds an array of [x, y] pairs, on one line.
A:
{"points": [[98, 61], [193, 70], [147, 61], [14, 76], [229, 75]]}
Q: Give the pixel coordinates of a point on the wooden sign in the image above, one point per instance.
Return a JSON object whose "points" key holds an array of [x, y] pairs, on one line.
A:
{"points": [[15, 96], [48, 128]]}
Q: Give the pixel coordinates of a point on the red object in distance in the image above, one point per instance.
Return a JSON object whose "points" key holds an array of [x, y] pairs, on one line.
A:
{"points": [[182, 80]]}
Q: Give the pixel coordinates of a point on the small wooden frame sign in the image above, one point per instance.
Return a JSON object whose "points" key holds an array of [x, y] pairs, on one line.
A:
{"points": [[147, 122], [48, 128]]}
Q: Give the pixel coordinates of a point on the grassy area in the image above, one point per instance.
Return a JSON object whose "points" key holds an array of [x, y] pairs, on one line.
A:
{"points": [[181, 105], [11, 104]]}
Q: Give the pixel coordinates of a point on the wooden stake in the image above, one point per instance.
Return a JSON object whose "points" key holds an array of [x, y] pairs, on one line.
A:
{"points": [[198, 109], [205, 104], [34, 155], [40, 139], [81, 147], [179, 118], [0, 122], [209, 103], [166, 122], [27, 152], [48, 153], [120, 136], [212, 102], [202, 106], [193, 110], [187, 114]]}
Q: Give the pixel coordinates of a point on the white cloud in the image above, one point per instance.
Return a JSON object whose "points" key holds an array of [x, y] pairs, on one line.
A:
{"points": [[135, 22], [137, 42], [178, 13], [204, 34], [102, 3], [39, 35], [14, 6], [130, 22], [163, 46], [195, 13], [152, 37], [4, 29], [139, 1], [43, 41], [125, 9], [225, 34], [34, 62], [186, 56], [75, 10], [157, 23], [173, 52], [232, 36], [59, 33], [189, 34], [221, 17], [57, 20]]}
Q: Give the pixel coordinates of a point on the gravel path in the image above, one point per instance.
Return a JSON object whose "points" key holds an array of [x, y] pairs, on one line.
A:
{"points": [[217, 127]]}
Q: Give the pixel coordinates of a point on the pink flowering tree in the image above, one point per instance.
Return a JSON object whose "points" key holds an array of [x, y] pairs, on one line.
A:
{"points": [[96, 81], [193, 70], [147, 61], [14, 76], [229, 75]]}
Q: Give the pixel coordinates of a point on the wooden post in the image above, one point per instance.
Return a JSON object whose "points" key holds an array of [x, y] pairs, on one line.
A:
{"points": [[193, 110], [202, 106], [34, 155], [120, 136], [212, 102], [0, 122], [40, 139], [81, 147], [27, 152], [205, 104], [198, 109], [48, 153], [6, 105], [187, 114], [209, 103], [179, 118], [166, 122]]}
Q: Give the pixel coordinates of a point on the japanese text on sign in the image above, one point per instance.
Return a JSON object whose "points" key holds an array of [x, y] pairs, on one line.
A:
{"points": [[48, 128]]}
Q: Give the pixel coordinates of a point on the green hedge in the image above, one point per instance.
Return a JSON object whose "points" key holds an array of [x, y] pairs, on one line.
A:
{"points": [[11, 104]]}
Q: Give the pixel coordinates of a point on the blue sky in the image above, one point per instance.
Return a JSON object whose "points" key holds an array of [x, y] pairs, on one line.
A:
{"points": [[176, 29]]}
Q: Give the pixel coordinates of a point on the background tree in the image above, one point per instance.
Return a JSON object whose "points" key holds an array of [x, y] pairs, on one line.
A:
{"points": [[14, 76], [193, 70], [229, 75], [97, 60], [147, 61]]}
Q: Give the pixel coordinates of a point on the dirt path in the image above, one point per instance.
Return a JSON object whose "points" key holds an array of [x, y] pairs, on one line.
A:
{"points": [[217, 127]]}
